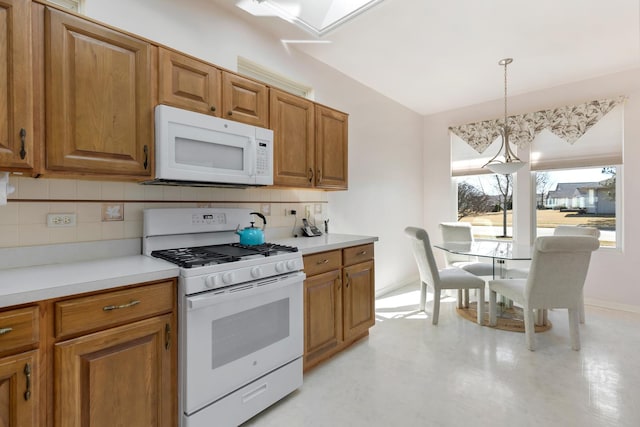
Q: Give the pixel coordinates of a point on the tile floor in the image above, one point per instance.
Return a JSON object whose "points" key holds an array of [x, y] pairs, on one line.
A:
{"points": [[410, 373]]}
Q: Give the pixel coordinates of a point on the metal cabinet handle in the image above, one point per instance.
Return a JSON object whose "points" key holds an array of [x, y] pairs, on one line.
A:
{"points": [[117, 307], [146, 157], [319, 175], [322, 261], [339, 284], [348, 281], [27, 374], [362, 253], [310, 175], [4, 331], [23, 136]]}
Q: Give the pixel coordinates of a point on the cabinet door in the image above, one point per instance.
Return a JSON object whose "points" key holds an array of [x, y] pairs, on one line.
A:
{"points": [[331, 149], [245, 100], [16, 86], [122, 376], [323, 315], [358, 299], [19, 390], [291, 119], [189, 83], [99, 106]]}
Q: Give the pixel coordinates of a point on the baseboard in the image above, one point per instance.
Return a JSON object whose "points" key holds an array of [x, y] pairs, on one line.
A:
{"points": [[612, 305], [397, 285]]}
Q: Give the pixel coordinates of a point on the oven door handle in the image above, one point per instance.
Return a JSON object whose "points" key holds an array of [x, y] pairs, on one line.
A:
{"points": [[212, 298]]}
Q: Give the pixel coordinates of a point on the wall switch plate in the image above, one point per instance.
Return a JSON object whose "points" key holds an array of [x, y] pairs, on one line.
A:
{"points": [[317, 208], [113, 212], [307, 211], [61, 220]]}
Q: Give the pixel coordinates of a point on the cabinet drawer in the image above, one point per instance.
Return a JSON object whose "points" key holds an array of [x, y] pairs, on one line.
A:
{"points": [[18, 328], [358, 254], [322, 262], [104, 310]]}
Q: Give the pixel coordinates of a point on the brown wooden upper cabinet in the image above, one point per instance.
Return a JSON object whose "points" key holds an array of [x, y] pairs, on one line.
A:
{"points": [[291, 119], [99, 99], [245, 100], [331, 160], [188, 83], [16, 87]]}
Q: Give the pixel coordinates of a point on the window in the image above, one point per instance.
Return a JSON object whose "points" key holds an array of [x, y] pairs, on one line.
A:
{"points": [[581, 196], [481, 202]]}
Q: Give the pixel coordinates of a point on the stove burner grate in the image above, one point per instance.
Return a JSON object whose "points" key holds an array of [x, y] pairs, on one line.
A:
{"points": [[218, 254]]}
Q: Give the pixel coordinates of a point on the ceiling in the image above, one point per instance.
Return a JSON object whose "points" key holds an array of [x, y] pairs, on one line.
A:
{"points": [[433, 56]]}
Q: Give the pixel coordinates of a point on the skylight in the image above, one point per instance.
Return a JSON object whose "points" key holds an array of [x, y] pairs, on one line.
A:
{"points": [[317, 17]]}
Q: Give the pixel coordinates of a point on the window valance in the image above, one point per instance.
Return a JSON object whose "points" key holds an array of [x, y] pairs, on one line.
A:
{"points": [[568, 123]]}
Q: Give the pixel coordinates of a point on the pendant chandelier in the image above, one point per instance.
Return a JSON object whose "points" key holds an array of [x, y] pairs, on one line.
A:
{"points": [[509, 163]]}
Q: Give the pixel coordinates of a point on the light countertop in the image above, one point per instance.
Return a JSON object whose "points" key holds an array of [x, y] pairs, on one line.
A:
{"points": [[326, 242], [29, 284], [61, 278]]}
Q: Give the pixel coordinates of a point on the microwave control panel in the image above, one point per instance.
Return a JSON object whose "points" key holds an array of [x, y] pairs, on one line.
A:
{"points": [[262, 158]]}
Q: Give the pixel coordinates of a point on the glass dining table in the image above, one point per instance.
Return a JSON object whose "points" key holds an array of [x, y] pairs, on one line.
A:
{"points": [[500, 252]]}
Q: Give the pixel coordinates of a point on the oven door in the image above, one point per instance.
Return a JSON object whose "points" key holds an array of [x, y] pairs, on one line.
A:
{"points": [[233, 336]]}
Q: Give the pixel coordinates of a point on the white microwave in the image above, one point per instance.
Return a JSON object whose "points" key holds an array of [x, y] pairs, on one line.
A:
{"points": [[200, 150]]}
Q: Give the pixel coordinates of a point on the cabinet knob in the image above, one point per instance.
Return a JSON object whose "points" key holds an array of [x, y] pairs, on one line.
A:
{"points": [[230, 113], [213, 108]]}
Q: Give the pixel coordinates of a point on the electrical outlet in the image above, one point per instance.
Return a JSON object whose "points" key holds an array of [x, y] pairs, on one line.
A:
{"points": [[317, 208], [61, 220], [112, 212], [307, 211]]}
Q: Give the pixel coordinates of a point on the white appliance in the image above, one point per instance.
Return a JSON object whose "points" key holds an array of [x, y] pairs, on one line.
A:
{"points": [[240, 314], [201, 150]]}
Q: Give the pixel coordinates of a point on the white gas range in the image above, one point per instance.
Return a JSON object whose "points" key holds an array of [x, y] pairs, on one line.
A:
{"points": [[241, 313]]}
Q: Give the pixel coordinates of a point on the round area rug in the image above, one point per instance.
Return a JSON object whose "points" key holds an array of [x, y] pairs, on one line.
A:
{"points": [[509, 319]]}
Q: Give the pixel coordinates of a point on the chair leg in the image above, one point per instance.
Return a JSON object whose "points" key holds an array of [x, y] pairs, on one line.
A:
{"points": [[492, 308], [436, 306], [480, 306], [529, 328], [423, 296], [574, 330], [581, 308]]}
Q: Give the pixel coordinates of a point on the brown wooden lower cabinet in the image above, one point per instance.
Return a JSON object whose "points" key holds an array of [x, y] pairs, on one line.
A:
{"points": [[338, 301], [20, 390], [117, 377], [106, 358]]}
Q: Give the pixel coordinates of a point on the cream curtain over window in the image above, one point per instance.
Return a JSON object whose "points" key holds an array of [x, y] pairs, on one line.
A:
{"points": [[557, 138]]}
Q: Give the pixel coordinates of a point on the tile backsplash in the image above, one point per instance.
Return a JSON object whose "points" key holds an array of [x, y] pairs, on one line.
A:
{"points": [[113, 210]]}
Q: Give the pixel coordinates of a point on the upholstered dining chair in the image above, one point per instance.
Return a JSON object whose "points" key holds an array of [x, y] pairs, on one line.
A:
{"points": [[447, 278], [558, 270], [461, 232], [561, 230]]}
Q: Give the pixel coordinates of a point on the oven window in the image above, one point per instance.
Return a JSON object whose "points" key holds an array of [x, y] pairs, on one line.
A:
{"points": [[209, 154], [244, 333]]}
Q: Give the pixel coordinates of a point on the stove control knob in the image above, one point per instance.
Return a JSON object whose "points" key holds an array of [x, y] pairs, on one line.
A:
{"points": [[292, 265], [227, 278], [212, 281], [256, 272], [280, 267]]}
